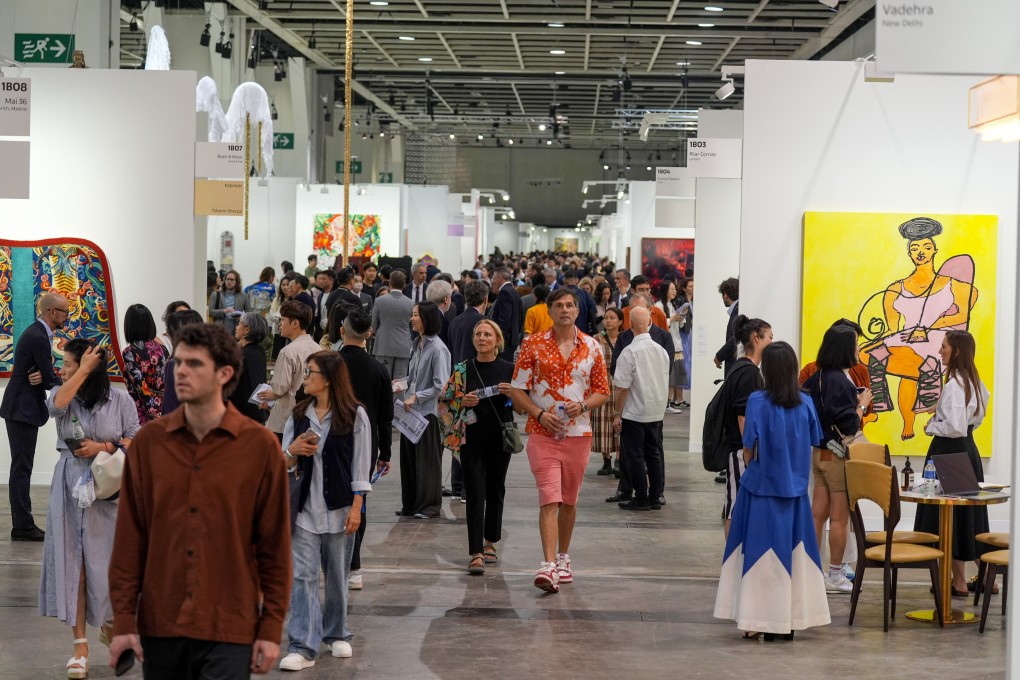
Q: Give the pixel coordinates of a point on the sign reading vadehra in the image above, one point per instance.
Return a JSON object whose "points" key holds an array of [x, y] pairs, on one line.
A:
{"points": [[948, 36], [15, 107], [719, 158], [224, 198], [220, 160]]}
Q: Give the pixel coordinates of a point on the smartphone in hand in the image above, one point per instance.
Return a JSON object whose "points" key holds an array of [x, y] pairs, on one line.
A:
{"points": [[125, 662]]}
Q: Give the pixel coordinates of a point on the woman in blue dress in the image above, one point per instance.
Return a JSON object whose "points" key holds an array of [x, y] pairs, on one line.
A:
{"points": [[772, 580]]}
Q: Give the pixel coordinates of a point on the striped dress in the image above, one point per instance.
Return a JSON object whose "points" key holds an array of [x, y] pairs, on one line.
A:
{"points": [[605, 439]]}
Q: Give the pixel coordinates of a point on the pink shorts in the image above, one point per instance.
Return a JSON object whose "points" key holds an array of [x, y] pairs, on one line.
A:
{"points": [[558, 466]]}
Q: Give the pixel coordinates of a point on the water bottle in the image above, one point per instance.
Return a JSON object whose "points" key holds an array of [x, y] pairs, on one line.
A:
{"points": [[930, 479], [76, 430], [561, 411]]}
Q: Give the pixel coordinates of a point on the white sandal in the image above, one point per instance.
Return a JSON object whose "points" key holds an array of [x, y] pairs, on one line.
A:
{"points": [[78, 666]]}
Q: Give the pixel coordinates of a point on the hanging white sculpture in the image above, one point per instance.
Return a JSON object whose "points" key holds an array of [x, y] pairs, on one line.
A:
{"points": [[250, 102], [207, 98], [157, 57]]}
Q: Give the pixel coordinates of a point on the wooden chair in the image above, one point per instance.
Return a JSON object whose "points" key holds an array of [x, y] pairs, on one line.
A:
{"points": [[997, 540], [878, 484], [879, 453], [871, 452], [995, 562]]}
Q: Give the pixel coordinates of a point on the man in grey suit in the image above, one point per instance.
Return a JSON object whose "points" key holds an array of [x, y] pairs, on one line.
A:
{"points": [[391, 326]]}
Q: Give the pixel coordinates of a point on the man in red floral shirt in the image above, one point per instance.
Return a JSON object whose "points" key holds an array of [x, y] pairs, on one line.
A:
{"points": [[559, 379]]}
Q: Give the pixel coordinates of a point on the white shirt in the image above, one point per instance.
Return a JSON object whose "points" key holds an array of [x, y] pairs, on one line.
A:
{"points": [[643, 368], [417, 293], [954, 414]]}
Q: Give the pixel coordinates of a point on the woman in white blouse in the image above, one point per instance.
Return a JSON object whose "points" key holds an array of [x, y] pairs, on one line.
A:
{"points": [[959, 410]]}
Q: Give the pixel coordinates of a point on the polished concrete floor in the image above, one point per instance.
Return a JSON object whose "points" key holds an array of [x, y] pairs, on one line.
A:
{"points": [[641, 604]]}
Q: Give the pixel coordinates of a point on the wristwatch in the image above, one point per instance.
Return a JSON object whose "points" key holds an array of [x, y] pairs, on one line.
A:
{"points": [[289, 454], [584, 407]]}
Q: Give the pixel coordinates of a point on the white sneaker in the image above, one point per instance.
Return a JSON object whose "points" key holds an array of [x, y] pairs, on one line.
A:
{"points": [[563, 568], [295, 662], [354, 581], [341, 649], [838, 584], [670, 409], [848, 571]]}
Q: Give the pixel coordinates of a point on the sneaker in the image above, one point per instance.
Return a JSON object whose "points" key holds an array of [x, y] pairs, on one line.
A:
{"points": [[721, 477], [354, 581], [656, 503], [563, 567], [684, 404], [295, 662], [838, 584], [463, 500], [848, 572], [672, 409], [341, 649], [447, 493], [547, 578]]}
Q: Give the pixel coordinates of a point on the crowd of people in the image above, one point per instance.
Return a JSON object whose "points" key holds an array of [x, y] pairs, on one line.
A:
{"points": [[303, 375], [254, 432]]}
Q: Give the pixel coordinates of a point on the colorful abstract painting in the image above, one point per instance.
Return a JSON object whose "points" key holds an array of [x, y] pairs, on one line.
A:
{"points": [[661, 257], [76, 269], [328, 237], [907, 279], [569, 245]]}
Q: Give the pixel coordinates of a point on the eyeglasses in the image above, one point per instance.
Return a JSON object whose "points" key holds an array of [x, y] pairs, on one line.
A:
{"points": [[62, 311], [309, 371]]}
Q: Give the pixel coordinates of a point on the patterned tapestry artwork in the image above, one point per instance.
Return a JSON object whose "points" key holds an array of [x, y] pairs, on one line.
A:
{"points": [[328, 235], [78, 270]]}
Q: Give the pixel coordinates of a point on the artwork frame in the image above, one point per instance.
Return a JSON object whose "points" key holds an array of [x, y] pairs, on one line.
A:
{"points": [[904, 314], [327, 237], [75, 267]]}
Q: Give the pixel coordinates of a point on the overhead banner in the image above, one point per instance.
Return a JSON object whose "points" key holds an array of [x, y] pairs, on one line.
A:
{"points": [[948, 36], [15, 107], [720, 158], [220, 160]]}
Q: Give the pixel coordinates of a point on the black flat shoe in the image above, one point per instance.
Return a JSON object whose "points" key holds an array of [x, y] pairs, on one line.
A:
{"points": [[33, 535], [606, 469], [774, 637], [635, 504], [619, 498]]}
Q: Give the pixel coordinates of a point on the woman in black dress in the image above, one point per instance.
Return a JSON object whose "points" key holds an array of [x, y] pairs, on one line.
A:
{"points": [[960, 409], [482, 456], [251, 331]]}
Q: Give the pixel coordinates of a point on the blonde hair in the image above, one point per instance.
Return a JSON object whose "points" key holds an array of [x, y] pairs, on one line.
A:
{"points": [[495, 329]]}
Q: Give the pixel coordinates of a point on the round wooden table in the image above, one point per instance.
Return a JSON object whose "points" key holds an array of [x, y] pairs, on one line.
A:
{"points": [[946, 505]]}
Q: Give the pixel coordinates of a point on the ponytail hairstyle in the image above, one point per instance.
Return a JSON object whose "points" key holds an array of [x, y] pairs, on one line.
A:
{"points": [[746, 329], [961, 364]]}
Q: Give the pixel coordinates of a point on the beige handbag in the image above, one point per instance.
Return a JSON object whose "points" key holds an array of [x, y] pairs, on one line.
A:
{"points": [[107, 471]]}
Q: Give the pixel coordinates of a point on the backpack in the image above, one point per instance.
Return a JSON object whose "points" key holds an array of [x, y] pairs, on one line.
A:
{"points": [[716, 441]]}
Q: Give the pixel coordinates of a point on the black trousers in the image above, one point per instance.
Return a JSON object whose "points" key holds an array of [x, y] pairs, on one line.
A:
{"points": [[421, 472], [456, 477], [186, 659], [22, 437], [485, 465], [641, 456]]}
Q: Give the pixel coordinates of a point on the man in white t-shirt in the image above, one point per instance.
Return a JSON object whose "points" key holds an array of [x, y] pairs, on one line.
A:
{"points": [[642, 389]]}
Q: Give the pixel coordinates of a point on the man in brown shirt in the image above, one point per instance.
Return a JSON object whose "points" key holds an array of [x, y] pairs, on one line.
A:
{"points": [[203, 530]]}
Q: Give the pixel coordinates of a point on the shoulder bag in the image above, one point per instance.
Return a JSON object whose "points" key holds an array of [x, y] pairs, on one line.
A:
{"points": [[107, 472], [840, 443], [511, 437]]}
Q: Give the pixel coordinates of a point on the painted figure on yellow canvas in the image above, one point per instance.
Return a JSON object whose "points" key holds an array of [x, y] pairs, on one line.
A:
{"points": [[904, 335]]}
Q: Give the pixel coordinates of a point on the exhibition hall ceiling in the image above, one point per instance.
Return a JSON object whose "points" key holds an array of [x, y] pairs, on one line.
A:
{"points": [[570, 72]]}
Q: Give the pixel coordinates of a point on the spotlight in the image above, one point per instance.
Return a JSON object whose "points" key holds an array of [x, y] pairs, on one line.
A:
{"points": [[481, 137], [725, 91], [505, 216], [453, 136], [506, 196], [204, 39], [251, 60], [548, 142], [134, 23], [510, 142], [619, 194], [492, 199], [584, 188], [228, 47], [272, 111], [648, 168], [327, 115], [382, 135], [278, 73], [219, 43], [541, 127], [311, 42], [605, 167]]}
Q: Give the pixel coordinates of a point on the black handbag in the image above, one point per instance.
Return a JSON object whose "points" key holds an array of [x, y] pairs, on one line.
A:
{"points": [[512, 442]]}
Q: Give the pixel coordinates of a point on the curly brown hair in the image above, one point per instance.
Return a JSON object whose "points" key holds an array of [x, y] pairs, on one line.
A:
{"points": [[220, 344]]}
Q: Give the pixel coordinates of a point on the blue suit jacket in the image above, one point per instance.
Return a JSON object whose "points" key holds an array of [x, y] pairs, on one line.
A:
{"points": [[24, 402]]}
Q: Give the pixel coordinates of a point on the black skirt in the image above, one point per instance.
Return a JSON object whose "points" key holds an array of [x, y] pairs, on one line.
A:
{"points": [[968, 522]]}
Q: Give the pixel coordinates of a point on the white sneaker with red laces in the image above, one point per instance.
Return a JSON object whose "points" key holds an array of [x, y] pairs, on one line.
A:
{"points": [[563, 568], [547, 578]]}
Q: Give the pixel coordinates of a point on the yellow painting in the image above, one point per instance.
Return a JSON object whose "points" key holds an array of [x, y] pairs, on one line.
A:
{"points": [[907, 279]]}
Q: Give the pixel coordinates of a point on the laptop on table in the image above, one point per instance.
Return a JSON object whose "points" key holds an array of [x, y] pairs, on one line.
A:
{"points": [[958, 478]]}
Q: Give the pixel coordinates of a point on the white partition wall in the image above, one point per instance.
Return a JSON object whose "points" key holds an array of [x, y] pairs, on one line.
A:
{"points": [[366, 199], [716, 258], [817, 137], [638, 221], [117, 169], [424, 211]]}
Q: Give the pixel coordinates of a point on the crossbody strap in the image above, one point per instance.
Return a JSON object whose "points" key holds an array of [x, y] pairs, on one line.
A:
{"points": [[491, 405]]}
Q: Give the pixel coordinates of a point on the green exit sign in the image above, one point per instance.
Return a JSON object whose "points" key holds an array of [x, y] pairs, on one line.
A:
{"points": [[283, 140], [385, 178], [43, 48], [355, 167]]}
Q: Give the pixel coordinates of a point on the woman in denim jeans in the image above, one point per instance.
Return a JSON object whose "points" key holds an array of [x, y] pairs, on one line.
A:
{"points": [[327, 443]]}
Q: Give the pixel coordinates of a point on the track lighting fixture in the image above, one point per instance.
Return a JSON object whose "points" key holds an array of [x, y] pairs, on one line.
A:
{"points": [[219, 43], [228, 47], [272, 111], [205, 38], [134, 23]]}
